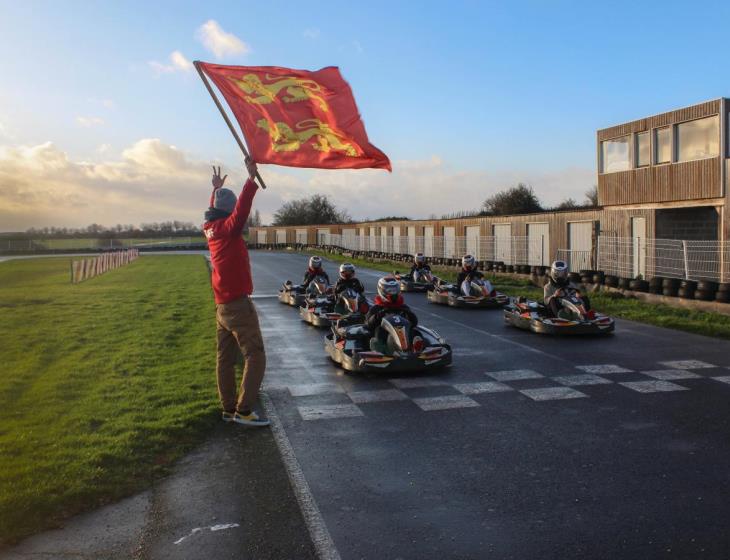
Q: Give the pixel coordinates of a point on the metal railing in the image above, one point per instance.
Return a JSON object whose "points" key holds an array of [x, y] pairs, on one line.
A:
{"points": [[692, 260], [87, 243]]}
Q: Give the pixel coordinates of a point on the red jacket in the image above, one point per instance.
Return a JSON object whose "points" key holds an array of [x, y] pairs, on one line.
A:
{"points": [[228, 252]]}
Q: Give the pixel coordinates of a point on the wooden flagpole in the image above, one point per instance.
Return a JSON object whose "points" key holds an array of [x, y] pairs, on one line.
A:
{"points": [[225, 117]]}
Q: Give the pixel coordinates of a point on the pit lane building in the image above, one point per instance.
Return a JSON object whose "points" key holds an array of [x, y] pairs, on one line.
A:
{"points": [[662, 192]]}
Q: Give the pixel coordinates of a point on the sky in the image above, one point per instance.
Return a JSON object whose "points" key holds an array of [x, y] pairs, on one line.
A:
{"points": [[104, 120]]}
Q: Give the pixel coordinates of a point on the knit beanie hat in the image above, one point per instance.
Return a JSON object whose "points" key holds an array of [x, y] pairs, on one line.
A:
{"points": [[224, 199]]}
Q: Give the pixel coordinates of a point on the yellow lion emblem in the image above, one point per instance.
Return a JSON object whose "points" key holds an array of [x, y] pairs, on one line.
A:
{"points": [[297, 89], [284, 139]]}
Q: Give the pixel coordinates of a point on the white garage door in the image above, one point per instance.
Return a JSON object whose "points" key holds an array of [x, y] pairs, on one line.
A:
{"points": [[372, 239], [362, 238], [281, 236], [503, 243], [396, 240], [384, 241], [302, 236], [412, 240], [261, 236], [349, 238], [428, 241], [472, 242], [580, 242], [323, 236], [538, 244], [449, 242]]}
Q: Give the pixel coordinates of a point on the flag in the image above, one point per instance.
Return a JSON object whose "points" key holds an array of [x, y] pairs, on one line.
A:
{"points": [[297, 118]]}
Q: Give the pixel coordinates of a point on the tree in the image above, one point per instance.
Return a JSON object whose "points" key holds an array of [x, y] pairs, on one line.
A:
{"points": [[317, 209], [592, 196], [517, 200], [567, 204]]}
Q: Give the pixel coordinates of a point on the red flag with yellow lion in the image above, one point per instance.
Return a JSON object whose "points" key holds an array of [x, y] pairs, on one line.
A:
{"points": [[297, 118]]}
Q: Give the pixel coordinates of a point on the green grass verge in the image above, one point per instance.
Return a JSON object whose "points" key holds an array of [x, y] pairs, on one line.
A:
{"points": [[103, 384], [613, 304]]}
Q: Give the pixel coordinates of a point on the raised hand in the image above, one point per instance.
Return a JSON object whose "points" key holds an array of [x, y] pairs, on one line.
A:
{"points": [[217, 181]]}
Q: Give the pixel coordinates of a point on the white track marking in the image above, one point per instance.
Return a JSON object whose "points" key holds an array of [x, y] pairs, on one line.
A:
{"points": [[308, 389], [581, 379], [603, 369], [722, 378], [671, 374], [653, 386], [445, 403], [513, 375], [687, 364], [482, 387], [318, 532], [381, 395], [212, 528], [552, 393], [415, 382], [329, 411]]}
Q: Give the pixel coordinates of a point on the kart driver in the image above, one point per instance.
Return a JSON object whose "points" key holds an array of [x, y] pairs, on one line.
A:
{"points": [[419, 265], [556, 287], [315, 269], [389, 300], [469, 271], [347, 280]]}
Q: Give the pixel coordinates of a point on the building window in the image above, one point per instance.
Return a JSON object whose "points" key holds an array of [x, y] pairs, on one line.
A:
{"points": [[616, 155], [698, 139], [643, 149], [663, 145]]}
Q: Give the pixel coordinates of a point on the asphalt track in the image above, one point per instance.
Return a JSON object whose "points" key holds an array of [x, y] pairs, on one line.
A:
{"points": [[527, 447]]}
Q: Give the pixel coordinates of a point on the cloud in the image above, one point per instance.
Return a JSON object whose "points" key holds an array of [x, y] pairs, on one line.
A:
{"points": [[152, 181], [155, 181], [178, 63], [89, 122], [219, 42], [311, 33]]}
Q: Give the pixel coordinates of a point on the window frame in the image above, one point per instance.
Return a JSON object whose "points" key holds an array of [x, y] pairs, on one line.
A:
{"points": [[635, 161], [631, 153], [675, 139], [655, 145]]}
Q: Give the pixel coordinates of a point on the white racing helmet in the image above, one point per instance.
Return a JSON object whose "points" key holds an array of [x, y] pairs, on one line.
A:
{"points": [[559, 272], [347, 271], [468, 262], [418, 258], [388, 288], [315, 262]]}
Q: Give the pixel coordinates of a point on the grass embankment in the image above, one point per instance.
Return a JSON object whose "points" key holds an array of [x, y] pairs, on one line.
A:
{"points": [[615, 305], [103, 384]]}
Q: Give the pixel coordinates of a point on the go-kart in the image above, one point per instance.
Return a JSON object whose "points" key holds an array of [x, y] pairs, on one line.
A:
{"points": [[292, 294], [573, 318], [419, 281], [407, 348], [350, 306], [475, 293], [319, 301]]}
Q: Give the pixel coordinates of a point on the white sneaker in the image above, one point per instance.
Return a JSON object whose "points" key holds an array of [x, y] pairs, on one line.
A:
{"points": [[250, 419]]}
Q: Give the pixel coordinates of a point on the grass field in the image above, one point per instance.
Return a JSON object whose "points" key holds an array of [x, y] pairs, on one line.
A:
{"points": [[103, 384], [615, 305]]}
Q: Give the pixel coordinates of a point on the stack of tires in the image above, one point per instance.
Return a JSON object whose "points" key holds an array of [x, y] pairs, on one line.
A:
{"points": [[611, 281], [670, 287], [723, 293], [687, 289], [656, 285], [639, 285], [706, 290]]}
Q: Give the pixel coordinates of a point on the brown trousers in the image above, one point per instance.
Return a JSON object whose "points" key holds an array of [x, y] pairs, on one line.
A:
{"points": [[238, 328]]}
